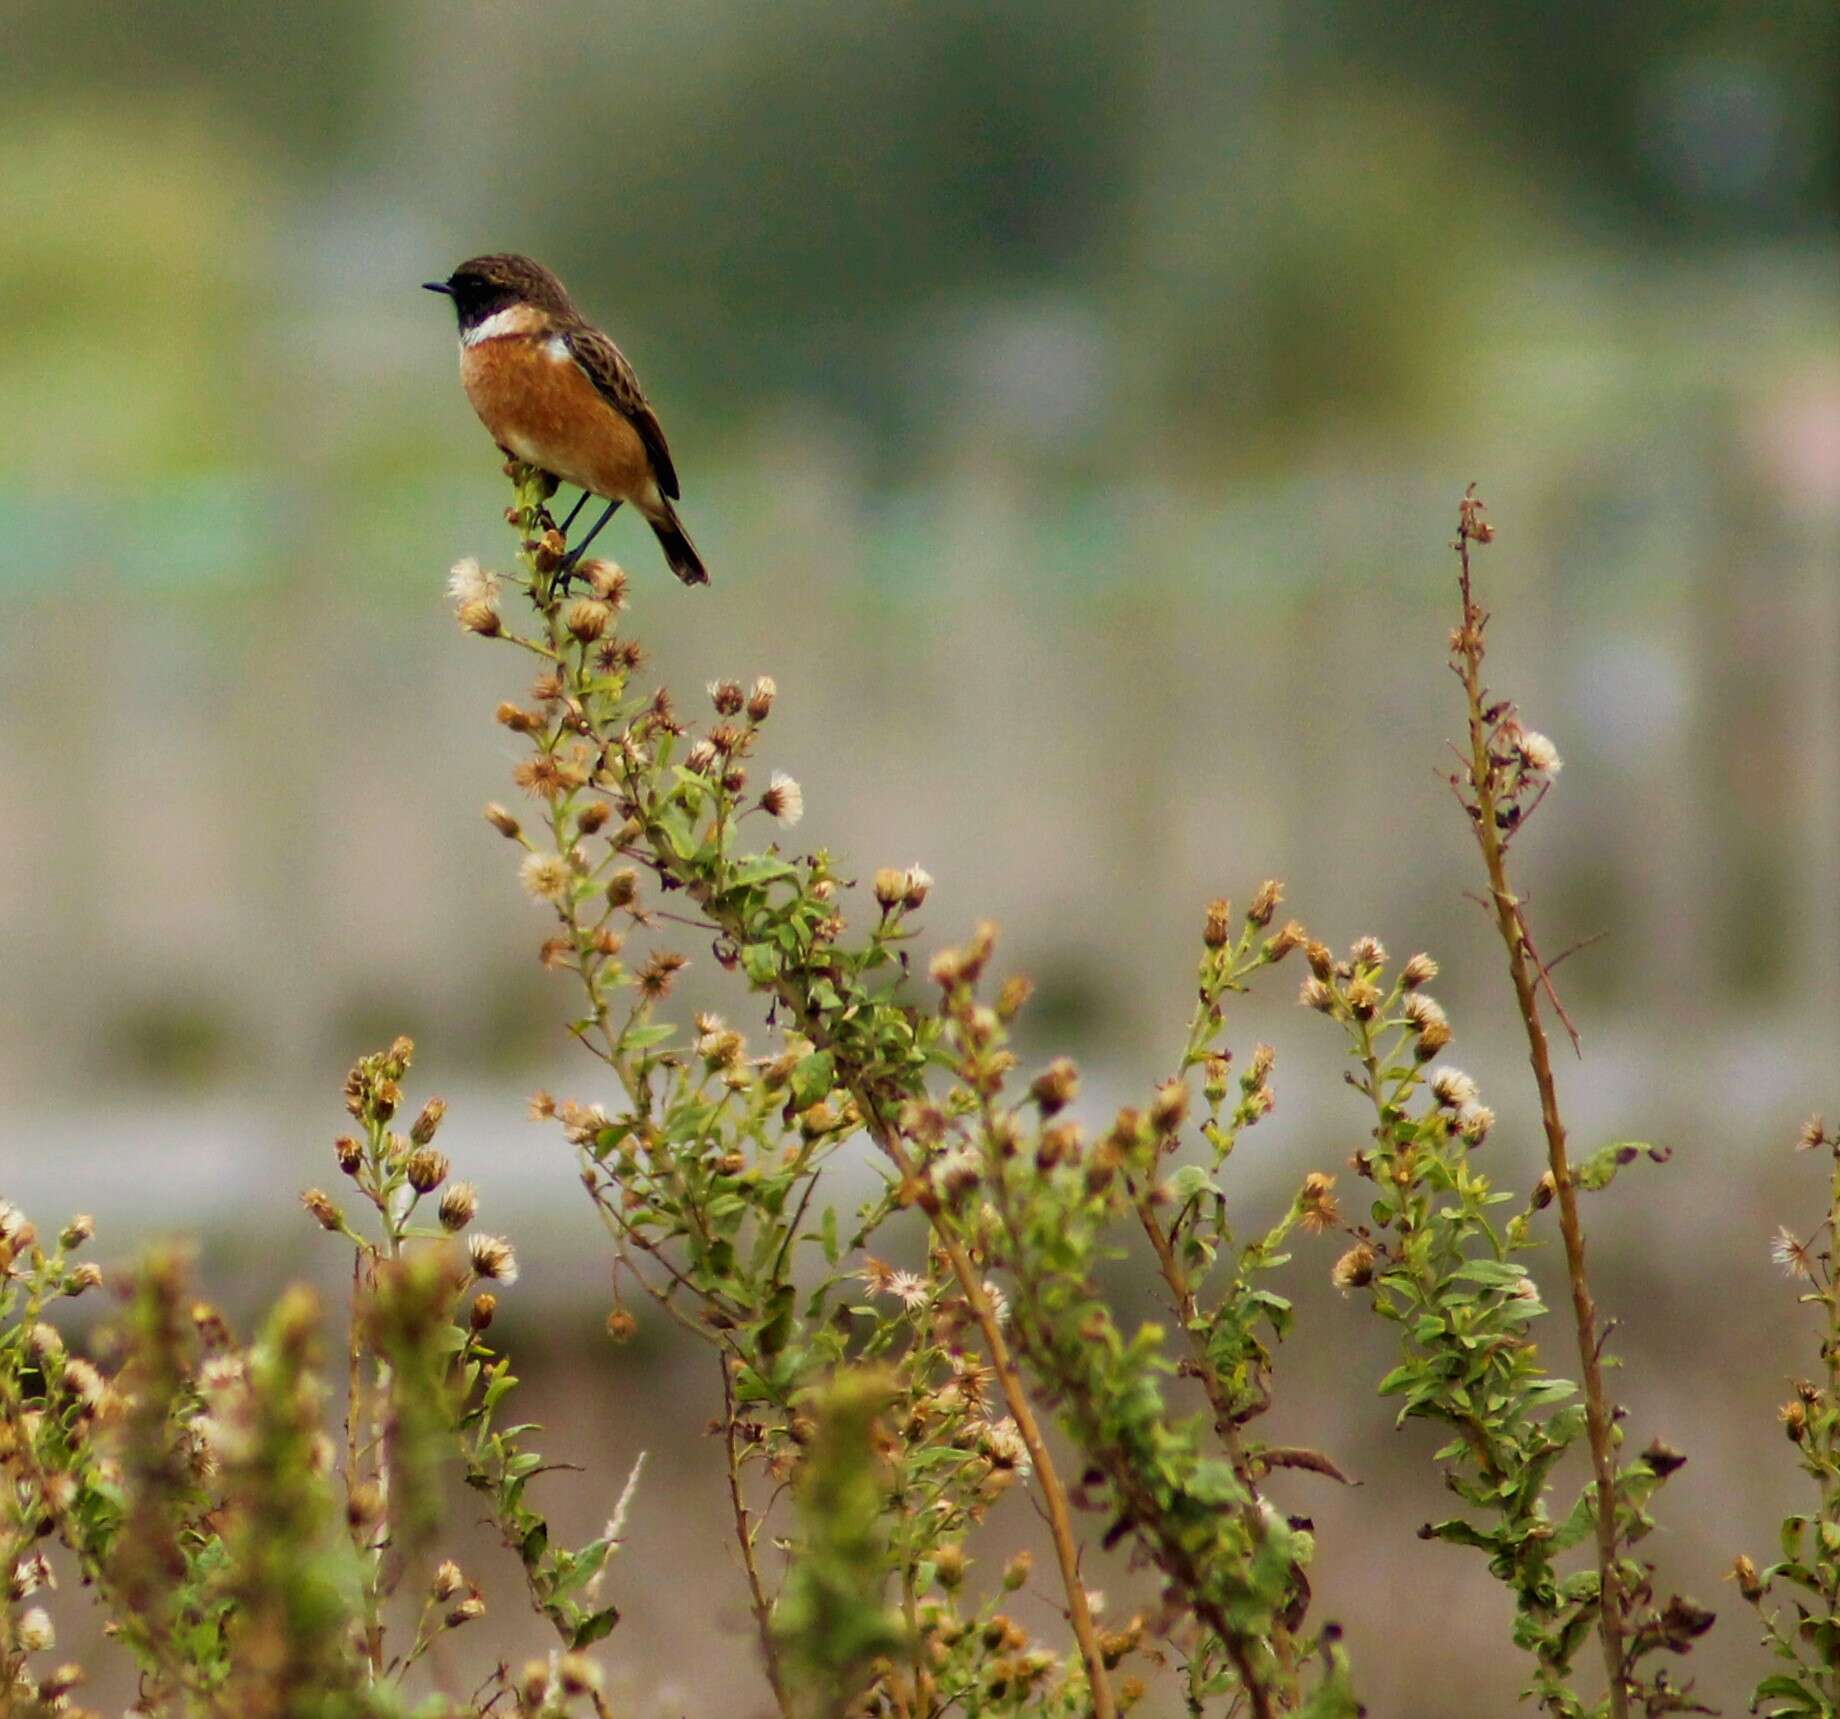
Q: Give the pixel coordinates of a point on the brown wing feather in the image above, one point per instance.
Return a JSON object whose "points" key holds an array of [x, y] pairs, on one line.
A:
{"points": [[606, 367]]}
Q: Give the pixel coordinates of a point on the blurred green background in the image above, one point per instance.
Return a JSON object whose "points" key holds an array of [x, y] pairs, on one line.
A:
{"points": [[1072, 402]]}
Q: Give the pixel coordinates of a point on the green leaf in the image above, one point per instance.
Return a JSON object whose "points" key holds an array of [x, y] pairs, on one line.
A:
{"points": [[1599, 1170]]}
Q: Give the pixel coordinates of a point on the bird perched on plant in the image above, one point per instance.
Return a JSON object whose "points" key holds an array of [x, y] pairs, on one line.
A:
{"points": [[555, 392]]}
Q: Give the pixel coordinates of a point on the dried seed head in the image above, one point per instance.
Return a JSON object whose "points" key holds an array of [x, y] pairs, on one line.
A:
{"points": [[87, 1276], [593, 817], [422, 1130], [1056, 1086], [1794, 1417], [1016, 1571], [1537, 753], [1169, 1107], [77, 1231], [784, 799], [890, 885], [1433, 1037], [1363, 997], [34, 1633], [53, 1689], [492, 1257], [577, 1674], [479, 1316], [1419, 970], [1367, 952], [1453, 1088], [760, 699], [459, 1206], [1355, 1269], [606, 579], [623, 887], [1421, 1009], [447, 1582], [919, 881], [1217, 928], [622, 1327], [1059, 1144], [502, 821], [480, 618], [660, 972], [1320, 957], [1750, 1583], [587, 619], [1290, 935], [1265, 902], [325, 1213], [949, 1566], [1813, 1134], [426, 1169], [1474, 1122], [1544, 1192], [701, 758], [1316, 994], [545, 876], [469, 1608], [1317, 1210], [726, 696]]}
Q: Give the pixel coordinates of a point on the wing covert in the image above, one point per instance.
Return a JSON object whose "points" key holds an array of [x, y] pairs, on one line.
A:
{"points": [[605, 366]]}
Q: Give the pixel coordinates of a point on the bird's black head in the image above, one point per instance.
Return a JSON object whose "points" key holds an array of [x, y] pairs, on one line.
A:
{"points": [[482, 286]]}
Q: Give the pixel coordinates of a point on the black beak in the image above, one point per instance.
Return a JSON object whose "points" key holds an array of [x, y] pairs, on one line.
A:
{"points": [[438, 286]]}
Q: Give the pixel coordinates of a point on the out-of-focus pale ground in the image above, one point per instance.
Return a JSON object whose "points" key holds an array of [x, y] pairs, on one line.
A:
{"points": [[1072, 402]]}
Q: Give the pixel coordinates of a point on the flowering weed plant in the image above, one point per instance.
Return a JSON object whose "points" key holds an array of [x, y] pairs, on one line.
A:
{"points": [[262, 1520]]}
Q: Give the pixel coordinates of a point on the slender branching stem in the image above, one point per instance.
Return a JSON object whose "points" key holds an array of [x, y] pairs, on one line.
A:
{"points": [[1527, 977]]}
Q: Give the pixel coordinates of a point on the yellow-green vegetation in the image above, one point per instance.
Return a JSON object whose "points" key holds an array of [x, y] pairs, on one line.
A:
{"points": [[261, 1521]]}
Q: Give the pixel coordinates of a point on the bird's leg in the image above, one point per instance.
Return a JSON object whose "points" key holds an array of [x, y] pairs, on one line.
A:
{"points": [[567, 569], [581, 502]]}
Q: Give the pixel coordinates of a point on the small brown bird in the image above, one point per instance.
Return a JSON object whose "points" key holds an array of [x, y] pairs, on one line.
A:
{"points": [[555, 392]]}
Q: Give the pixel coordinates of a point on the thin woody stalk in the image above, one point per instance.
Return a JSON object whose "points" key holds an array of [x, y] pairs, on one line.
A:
{"points": [[744, 1535], [1528, 975], [1009, 1378]]}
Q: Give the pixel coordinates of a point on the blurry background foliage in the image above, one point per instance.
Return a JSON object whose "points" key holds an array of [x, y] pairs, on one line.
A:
{"points": [[1071, 399]]}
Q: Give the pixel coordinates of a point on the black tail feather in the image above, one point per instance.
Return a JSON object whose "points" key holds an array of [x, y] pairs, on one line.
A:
{"points": [[677, 547]]}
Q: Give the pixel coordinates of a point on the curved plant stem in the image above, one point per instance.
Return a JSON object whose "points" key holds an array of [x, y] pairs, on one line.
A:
{"points": [[1528, 976], [744, 1535]]}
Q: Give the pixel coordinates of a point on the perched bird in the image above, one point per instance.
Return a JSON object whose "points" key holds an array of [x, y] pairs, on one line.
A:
{"points": [[555, 392]]}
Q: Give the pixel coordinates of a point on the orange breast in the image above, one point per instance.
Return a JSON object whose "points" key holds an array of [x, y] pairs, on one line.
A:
{"points": [[537, 401]]}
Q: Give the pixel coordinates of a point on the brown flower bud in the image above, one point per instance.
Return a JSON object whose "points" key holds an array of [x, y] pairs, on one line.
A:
{"points": [[481, 617], [1355, 1269], [1265, 902], [459, 1206], [1056, 1086], [325, 1213], [479, 1315], [422, 1130], [426, 1169], [1169, 1107], [1217, 929], [587, 619], [622, 1327], [1290, 935]]}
